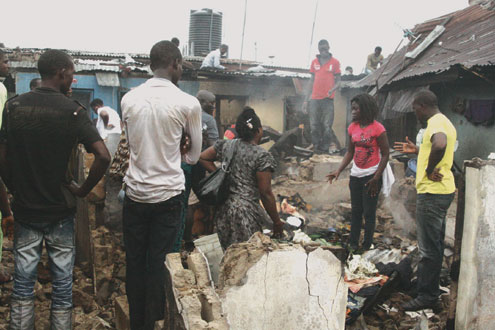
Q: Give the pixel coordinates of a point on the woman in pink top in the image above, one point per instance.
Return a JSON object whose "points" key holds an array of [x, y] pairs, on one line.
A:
{"points": [[369, 151]]}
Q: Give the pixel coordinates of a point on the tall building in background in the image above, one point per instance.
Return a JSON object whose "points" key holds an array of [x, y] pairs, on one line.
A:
{"points": [[205, 31]]}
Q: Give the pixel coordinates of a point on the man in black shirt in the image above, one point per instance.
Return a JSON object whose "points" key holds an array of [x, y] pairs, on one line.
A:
{"points": [[38, 139]]}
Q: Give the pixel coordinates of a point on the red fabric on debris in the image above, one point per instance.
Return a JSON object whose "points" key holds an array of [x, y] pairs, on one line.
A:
{"points": [[359, 283]]}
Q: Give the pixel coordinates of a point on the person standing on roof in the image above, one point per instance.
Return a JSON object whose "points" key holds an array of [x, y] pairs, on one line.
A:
{"points": [[325, 79], [108, 124], [373, 60], [212, 60]]}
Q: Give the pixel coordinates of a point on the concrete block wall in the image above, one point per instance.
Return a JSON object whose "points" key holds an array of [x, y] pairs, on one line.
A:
{"points": [[192, 302]]}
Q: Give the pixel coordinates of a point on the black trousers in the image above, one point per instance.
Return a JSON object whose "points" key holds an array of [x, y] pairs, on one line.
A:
{"points": [[150, 231], [431, 211], [363, 204]]}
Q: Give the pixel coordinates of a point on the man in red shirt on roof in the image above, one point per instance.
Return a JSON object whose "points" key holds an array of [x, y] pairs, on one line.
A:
{"points": [[325, 79]]}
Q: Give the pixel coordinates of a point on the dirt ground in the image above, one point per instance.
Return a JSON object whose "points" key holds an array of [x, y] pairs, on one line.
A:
{"points": [[91, 311]]}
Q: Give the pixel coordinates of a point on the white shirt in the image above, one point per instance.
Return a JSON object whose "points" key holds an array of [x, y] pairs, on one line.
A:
{"points": [[3, 99], [113, 119], [155, 114], [212, 60]]}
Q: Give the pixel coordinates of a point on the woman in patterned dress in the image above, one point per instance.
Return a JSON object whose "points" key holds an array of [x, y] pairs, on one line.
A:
{"points": [[249, 181]]}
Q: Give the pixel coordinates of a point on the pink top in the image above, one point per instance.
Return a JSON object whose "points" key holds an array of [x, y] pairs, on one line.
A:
{"points": [[366, 150]]}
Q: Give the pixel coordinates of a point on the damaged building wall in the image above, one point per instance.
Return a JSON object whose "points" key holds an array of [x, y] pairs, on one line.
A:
{"points": [[474, 140], [266, 97], [476, 299], [342, 109]]}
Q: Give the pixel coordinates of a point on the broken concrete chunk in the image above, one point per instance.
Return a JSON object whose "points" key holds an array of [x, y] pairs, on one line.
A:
{"points": [[284, 287], [122, 320], [182, 278], [192, 302], [197, 263]]}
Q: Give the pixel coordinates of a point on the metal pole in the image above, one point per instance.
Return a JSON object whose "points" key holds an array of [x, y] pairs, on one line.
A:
{"points": [[312, 32], [243, 29]]}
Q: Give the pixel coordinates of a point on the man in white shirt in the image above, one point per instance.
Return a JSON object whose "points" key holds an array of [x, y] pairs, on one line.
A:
{"points": [[4, 71], [108, 125], [156, 115], [212, 60]]}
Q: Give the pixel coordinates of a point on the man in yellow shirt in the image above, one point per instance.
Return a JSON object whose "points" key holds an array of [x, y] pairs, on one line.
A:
{"points": [[435, 191]]}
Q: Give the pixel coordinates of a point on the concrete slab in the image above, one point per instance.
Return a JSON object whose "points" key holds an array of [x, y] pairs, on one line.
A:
{"points": [[476, 298], [287, 289]]}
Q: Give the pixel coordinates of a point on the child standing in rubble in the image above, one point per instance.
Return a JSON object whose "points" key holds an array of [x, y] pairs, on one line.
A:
{"points": [[369, 151]]}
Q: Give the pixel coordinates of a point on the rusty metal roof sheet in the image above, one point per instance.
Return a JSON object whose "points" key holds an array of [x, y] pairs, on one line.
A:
{"points": [[469, 41]]}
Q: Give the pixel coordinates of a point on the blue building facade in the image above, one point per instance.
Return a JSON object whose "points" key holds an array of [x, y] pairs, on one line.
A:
{"points": [[85, 88]]}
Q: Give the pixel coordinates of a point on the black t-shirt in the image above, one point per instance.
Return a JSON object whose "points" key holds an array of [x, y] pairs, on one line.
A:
{"points": [[42, 129]]}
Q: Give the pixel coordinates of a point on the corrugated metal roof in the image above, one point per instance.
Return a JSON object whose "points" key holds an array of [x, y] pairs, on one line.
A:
{"points": [[469, 40], [86, 61], [82, 67], [271, 73], [95, 66]]}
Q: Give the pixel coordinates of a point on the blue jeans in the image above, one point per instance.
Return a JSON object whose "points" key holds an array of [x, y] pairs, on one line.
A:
{"points": [[150, 231], [321, 114], [431, 210], [60, 244]]}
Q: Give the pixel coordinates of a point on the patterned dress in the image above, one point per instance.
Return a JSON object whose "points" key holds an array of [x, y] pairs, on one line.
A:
{"points": [[242, 215]]}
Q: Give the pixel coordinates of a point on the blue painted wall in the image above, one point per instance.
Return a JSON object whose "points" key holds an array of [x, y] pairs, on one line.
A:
{"points": [[109, 95]]}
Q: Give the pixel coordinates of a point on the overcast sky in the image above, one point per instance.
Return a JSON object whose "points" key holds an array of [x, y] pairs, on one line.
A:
{"points": [[279, 28]]}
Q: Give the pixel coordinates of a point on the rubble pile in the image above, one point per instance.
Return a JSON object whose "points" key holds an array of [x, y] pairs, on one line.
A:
{"points": [[305, 280], [93, 309], [376, 294]]}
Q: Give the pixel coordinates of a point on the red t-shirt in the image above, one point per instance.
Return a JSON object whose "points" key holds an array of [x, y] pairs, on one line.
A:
{"points": [[366, 150], [324, 77]]}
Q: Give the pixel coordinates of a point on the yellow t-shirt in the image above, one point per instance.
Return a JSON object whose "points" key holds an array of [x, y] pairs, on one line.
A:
{"points": [[437, 124], [3, 99]]}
